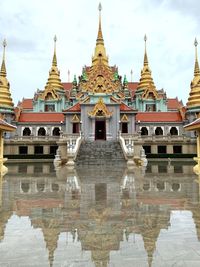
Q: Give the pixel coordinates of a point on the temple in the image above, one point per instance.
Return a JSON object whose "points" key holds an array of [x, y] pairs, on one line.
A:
{"points": [[100, 105]]}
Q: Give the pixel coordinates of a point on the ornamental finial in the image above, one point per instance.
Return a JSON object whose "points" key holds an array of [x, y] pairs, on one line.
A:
{"points": [[195, 42], [196, 66], [100, 7], [145, 38], [54, 62]]}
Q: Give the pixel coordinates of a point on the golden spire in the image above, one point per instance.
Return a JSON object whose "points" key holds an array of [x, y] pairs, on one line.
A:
{"points": [[146, 81], [100, 35], [54, 62], [54, 81], [6, 102], [3, 65], [194, 97], [100, 51], [145, 52], [196, 66]]}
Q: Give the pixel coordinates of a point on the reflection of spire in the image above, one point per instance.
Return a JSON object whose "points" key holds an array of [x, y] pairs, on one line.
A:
{"points": [[51, 235]]}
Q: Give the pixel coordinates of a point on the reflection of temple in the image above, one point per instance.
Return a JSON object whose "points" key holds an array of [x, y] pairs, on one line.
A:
{"points": [[99, 209]]}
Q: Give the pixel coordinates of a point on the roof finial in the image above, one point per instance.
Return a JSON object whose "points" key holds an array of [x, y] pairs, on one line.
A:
{"points": [[131, 75], [100, 35], [3, 65], [54, 55], [196, 66], [145, 51]]}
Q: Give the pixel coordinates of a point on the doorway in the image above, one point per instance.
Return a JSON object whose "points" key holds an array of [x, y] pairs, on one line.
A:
{"points": [[100, 130]]}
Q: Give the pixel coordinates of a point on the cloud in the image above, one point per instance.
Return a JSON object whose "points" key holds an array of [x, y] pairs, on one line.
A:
{"points": [[30, 26]]}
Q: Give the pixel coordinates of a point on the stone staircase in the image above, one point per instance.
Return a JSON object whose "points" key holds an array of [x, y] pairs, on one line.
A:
{"points": [[100, 153]]}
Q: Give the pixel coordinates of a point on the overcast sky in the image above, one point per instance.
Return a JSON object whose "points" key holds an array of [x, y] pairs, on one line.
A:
{"points": [[29, 27]]}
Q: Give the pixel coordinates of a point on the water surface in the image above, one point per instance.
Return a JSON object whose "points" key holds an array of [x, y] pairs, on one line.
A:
{"points": [[100, 216]]}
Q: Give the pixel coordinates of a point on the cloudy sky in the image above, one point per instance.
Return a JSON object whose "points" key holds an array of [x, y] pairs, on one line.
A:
{"points": [[29, 27]]}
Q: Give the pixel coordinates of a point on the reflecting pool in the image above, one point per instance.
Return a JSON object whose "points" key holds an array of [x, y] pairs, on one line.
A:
{"points": [[100, 216]]}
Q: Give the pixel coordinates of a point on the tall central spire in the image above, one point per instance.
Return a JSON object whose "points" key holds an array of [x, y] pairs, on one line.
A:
{"points": [[100, 35], [100, 51]]}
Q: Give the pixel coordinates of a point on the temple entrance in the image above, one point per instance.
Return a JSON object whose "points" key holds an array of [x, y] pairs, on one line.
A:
{"points": [[100, 130]]}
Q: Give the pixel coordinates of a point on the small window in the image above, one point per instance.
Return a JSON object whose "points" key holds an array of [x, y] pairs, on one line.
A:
{"points": [[173, 131], [23, 150], [22, 168], [162, 149], [38, 150], [26, 131], [124, 127], [41, 132], [175, 187], [56, 131], [178, 169], [144, 131], [162, 168], [40, 186], [159, 131], [25, 186], [75, 127], [160, 186], [177, 149], [49, 108], [55, 187], [147, 149], [38, 168], [53, 150]]}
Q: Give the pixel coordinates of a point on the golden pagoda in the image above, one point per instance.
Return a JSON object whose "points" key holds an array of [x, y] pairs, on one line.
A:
{"points": [[146, 81], [54, 82], [100, 77], [6, 103], [194, 96]]}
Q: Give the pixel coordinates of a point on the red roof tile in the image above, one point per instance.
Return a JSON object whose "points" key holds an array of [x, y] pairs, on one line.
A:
{"points": [[75, 108], [159, 117], [67, 86], [27, 103], [41, 117], [173, 103], [124, 107], [132, 87]]}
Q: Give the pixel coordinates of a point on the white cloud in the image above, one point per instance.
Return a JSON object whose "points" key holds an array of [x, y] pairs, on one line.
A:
{"points": [[29, 27]]}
